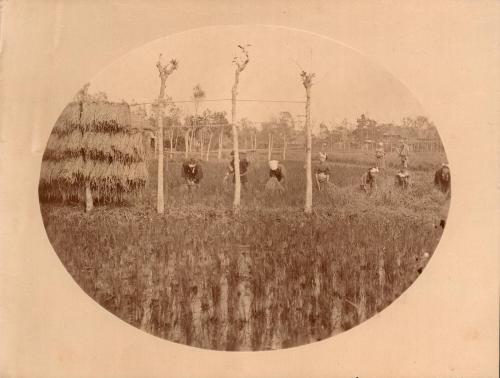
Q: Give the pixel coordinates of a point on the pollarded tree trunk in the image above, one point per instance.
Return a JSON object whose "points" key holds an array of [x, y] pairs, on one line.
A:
{"points": [[240, 66], [237, 178], [308, 202], [165, 72], [161, 199], [307, 82]]}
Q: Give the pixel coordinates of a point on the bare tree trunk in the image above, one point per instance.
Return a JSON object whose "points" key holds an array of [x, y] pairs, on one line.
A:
{"points": [[176, 140], [191, 141], [208, 146], [237, 178], [165, 72], [272, 144], [219, 153], [308, 199], [89, 202], [269, 146], [201, 143], [186, 143], [172, 143], [284, 146], [161, 199]]}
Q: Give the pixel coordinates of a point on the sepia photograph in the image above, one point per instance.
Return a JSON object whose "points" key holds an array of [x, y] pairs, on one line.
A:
{"points": [[249, 189], [244, 188]]}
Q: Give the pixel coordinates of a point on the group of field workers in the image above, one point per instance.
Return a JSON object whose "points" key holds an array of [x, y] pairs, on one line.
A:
{"points": [[442, 177], [192, 172]]}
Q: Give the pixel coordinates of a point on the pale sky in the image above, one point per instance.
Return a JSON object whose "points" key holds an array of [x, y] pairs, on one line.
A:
{"points": [[346, 85]]}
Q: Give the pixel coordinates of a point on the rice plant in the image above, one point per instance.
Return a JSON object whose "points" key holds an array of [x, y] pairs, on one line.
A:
{"points": [[271, 277]]}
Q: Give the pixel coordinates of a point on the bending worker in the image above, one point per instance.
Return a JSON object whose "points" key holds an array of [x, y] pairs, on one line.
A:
{"points": [[442, 178], [369, 180], [277, 175], [192, 173]]}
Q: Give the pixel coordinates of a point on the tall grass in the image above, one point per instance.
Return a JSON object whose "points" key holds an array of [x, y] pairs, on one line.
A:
{"points": [[269, 278]]}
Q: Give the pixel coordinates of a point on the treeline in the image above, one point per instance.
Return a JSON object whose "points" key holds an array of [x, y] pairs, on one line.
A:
{"points": [[210, 131]]}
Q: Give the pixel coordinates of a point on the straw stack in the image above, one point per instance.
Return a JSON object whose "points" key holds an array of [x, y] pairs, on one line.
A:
{"points": [[93, 142]]}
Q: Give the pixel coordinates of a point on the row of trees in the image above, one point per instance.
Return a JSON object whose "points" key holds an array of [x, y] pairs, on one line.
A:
{"points": [[191, 125], [198, 133], [199, 129], [201, 133], [366, 128]]}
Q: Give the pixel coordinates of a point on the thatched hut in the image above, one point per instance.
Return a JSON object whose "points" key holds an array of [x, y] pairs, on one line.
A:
{"points": [[93, 153]]}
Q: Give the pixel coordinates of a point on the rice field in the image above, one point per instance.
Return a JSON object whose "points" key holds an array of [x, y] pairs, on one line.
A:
{"points": [[269, 278]]}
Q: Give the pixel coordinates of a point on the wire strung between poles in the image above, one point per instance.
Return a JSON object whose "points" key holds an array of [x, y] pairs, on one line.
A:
{"points": [[220, 100]]}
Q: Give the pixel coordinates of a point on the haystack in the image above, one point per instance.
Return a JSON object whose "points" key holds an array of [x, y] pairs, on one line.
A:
{"points": [[93, 145]]}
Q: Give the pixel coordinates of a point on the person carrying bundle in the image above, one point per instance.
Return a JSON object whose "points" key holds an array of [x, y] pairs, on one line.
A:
{"points": [[403, 179], [369, 180], [442, 179], [277, 175], [380, 156], [322, 172], [192, 174], [244, 163]]}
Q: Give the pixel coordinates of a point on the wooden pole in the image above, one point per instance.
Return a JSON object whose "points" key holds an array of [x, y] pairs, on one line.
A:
{"points": [[89, 202]]}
